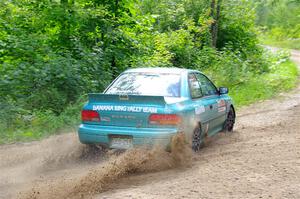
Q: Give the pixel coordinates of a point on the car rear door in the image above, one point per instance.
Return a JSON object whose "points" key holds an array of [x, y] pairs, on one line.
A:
{"points": [[217, 104], [204, 105]]}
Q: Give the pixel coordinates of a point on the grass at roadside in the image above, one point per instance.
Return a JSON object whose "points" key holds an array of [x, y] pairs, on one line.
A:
{"points": [[281, 43], [281, 78], [41, 124]]}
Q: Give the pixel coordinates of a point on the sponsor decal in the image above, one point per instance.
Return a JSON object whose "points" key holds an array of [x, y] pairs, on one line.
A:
{"points": [[134, 109], [222, 109], [221, 105], [199, 110], [105, 119]]}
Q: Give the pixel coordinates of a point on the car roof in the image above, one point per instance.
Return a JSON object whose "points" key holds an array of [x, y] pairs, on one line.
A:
{"points": [[160, 70]]}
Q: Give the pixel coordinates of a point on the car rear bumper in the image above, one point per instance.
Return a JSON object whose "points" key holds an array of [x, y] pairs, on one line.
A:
{"points": [[95, 134]]}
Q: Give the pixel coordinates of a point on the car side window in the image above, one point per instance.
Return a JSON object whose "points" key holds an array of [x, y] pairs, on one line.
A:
{"points": [[194, 86], [207, 87]]}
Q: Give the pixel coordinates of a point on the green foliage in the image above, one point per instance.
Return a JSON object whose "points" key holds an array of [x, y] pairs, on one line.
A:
{"points": [[282, 78], [22, 125], [237, 26], [279, 21]]}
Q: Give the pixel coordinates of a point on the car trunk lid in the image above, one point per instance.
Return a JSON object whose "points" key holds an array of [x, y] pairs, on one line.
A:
{"points": [[124, 110]]}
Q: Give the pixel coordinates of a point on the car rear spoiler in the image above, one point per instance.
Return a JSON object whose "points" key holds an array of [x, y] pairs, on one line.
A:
{"points": [[126, 99]]}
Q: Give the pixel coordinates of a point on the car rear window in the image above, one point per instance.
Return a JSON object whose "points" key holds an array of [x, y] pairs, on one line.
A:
{"points": [[162, 84]]}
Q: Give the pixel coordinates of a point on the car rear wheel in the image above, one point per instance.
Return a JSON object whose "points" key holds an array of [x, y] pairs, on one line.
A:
{"points": [[230, 120], [197, 141]]}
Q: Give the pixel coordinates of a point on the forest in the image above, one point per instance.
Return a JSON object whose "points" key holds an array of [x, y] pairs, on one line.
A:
{"points": [[54, 52], [278, 22]]}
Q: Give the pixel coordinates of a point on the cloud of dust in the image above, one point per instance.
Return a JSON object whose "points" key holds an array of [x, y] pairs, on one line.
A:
{"points": [[63, 152], [98, 179]]}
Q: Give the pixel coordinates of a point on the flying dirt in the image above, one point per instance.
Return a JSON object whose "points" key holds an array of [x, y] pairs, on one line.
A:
{"points": [[260, 159], [97, 179]]}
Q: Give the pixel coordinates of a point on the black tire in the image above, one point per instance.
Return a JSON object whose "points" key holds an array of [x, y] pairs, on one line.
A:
{"points": [[230, 120], [197, 141]]}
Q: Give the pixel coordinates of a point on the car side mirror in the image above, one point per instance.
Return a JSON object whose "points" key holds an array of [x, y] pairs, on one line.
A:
{"points": [[223, 90]]}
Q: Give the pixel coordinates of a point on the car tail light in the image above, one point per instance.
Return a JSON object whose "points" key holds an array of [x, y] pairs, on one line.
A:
{"points": [[164, 119], [88, 115]]}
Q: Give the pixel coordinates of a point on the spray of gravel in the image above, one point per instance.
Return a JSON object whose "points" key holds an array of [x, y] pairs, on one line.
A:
{"points": [[100, 177]]}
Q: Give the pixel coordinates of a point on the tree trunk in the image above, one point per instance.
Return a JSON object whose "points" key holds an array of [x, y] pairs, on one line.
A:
{"points": [[212, 15], [215, 15], [216, 24], [113, 61]]}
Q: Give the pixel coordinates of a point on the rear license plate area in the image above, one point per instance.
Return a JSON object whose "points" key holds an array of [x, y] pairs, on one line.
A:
{"points": [[121, 141]]}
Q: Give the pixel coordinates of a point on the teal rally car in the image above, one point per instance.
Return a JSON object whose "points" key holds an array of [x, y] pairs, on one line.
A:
{"points": [[147, 106]]}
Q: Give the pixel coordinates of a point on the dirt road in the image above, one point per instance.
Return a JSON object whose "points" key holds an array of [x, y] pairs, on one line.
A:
{"points": [[260, 159]]}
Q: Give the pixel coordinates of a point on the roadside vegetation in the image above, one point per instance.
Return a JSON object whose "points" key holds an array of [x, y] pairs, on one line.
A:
{"points": [[278, 22], [249, 88], [54, 52], [286, 43]]}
